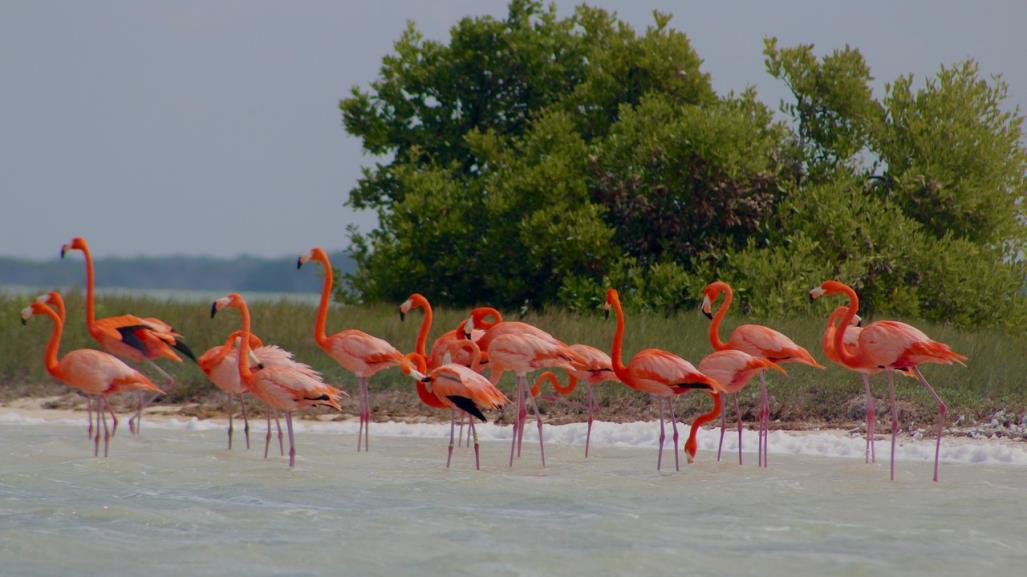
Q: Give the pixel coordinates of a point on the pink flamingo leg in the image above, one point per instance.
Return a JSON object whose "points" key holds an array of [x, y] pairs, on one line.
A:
{"points": [[477, 453], [765, 416], [591, 414], [360, 401], [267, 438], [89, 416], [894, 420], [245, 420], [663, 435], [452, 431], [674, 425], [114, 420], [522, 412], [96, 438], [538, 423], [278, 426], [738, 411], [873, 428], [106, 433], [942, 409], [230, 428], [367, 417], [460, 439], [870, 418], [516, 421], [723, 428], [292, 443]]}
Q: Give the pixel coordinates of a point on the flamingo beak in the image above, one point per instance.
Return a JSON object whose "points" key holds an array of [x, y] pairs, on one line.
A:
{"points": [[25, 314], [815, 293], [299, 263], [213, 309], [64, 250], [707, 307], [606, 311], [402, 316]]}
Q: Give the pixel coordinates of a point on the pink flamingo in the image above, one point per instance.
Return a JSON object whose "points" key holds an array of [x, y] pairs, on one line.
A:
{"points": [[285, 388], [94, 373], [758, 341], [221, 366], [891, 346], [598, 368], [851, 341], [733, 369], [661, 374], [357, 352], [457, 387], [129, 337], [523, 352]]}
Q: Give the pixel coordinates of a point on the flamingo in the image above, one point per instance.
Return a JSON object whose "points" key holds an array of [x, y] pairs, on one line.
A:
{"points": [[851, 340], [94, 373], [220, 364], [733, 369], [129, 337], [891, 346], [457, 387], [440, 347], [523, 352], [285, 388], [758, 341], [357, 352], [53, 298], [659, 373], [598, 368]]}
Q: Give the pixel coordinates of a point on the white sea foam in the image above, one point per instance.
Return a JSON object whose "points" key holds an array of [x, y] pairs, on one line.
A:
{"points": [[826, 443]]}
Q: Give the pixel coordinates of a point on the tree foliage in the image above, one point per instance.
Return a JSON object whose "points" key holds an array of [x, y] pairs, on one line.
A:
{"points": [[536, 159]]}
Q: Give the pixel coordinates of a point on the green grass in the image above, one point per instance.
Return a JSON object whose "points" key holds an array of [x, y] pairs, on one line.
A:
{"points": [[995, 378]]}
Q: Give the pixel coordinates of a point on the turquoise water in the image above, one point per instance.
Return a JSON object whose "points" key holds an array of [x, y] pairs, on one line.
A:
{"points": [[177, 503]]}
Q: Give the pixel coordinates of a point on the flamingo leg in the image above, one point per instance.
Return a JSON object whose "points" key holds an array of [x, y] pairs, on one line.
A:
{"points": [[663, 435], [538, 423], [516, 421], [723, 428], [360, 401], [367, 417], [870, 417], [168, 379], [452, 430], [230, 428], [292, 443], [245, 420], [894, 420], [114, 420], [278, 426], [89, 416], [674, 425], [522, 413], [267, 438], [738, 411], [96, 438], [591, 414], [106, 433], [460, 439], [765, 415], [477, 453], [942, 409]]}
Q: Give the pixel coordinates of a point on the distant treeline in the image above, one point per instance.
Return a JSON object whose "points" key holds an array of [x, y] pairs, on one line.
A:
{"points": [[244, 273]]}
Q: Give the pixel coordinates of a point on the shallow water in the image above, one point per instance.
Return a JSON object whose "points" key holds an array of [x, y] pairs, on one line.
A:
{"points": [[176, 502]]}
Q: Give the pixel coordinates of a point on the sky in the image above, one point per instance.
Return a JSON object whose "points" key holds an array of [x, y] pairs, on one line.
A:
{"points": [[211, 127]]}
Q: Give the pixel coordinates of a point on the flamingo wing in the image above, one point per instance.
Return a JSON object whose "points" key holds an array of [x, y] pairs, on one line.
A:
{"points": [[668, 372], [96, 372], [761, 341]]}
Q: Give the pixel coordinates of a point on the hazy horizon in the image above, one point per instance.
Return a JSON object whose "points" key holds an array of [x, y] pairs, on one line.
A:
{"points": [[212, 128]]}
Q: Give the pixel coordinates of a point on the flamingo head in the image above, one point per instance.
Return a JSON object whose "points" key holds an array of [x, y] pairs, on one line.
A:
{"points": [[828, 287], [316, 253], [415, 300], [77, 243], [483, 318], [34, 309], [710, 294], [612, 300], [232, 300]]}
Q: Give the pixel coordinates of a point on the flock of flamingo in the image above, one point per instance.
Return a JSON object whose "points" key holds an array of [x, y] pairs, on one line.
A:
{"points": [[451, 376]]}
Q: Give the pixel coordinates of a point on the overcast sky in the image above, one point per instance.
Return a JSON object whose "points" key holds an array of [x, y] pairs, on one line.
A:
{"points": [[212, 127]]}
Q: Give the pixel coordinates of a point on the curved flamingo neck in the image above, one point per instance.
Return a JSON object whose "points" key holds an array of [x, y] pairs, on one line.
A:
{"points": [[422, 334], [320, 324], [715, 341], [615, 354], [471, 347], [90, 282], [691, 444], [53, 366], [839, 334], [244, 345]]}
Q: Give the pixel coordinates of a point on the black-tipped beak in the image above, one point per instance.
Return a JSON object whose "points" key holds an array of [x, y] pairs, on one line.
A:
{"points": [[299, 263], [859, 323], [708, 314], [606, 314], [426, 380], [24, 322], [213, 309], [811, 297], [402, 316], [64, 249]]}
